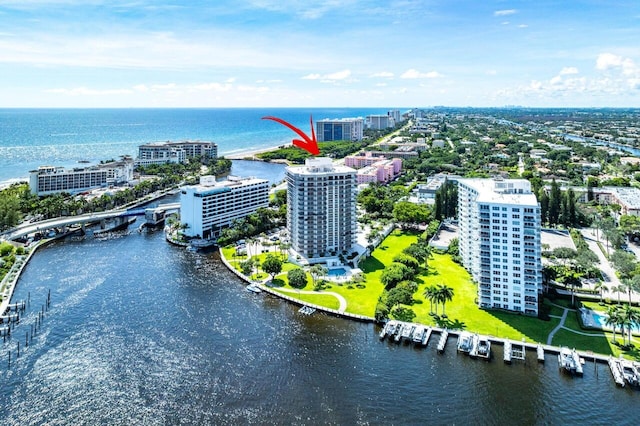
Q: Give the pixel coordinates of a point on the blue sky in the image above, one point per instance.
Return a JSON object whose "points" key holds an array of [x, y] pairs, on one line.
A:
{"points": [[319, 53]]}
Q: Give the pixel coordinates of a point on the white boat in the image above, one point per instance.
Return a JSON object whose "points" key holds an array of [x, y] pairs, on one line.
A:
{"points": [[629, 373], [407, 331], [391, 328], [569, 361], [482, 347], [418, 333], [254, 288], [465, 342]]}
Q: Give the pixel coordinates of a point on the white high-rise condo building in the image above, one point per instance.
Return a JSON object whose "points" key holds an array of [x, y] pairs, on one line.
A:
{"points": [[499, 225], [321, 208], [343, 129], [207, 208]]}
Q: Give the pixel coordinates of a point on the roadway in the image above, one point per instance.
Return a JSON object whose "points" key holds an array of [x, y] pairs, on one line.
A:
{"points": [[27, 228]]}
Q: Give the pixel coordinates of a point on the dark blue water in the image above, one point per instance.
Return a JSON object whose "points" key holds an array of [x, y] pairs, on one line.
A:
{"points": [[33, 137], [141, 332]]}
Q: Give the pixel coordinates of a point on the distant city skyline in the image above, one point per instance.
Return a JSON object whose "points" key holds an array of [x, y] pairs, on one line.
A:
{"points": [[319, 53]]}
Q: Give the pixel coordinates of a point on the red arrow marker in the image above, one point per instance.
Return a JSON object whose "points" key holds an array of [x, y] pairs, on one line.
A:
{"points": [[309, 144]]}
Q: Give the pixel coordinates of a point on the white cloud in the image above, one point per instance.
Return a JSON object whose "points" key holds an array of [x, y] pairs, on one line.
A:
{"points": [[340, 75], [413, 73], [568, 71], [329, 78], [607, 61], [504, 12], [383, 74], [523, 26]]}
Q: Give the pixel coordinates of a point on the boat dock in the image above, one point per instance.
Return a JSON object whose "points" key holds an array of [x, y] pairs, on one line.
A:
{"points": [[444, 334], [540, 352], [426, 336], [507, 352], [518, 351], [616, 371]]}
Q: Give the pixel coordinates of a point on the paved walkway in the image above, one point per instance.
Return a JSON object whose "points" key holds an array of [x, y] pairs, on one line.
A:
{"points": [[558, 327], [342, 300]]}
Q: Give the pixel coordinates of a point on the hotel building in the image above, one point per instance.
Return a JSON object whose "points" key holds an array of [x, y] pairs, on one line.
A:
{"points": [[499, 236], [174, 152], [344, 129], [321, 208], [50, 180], [207, 208]]}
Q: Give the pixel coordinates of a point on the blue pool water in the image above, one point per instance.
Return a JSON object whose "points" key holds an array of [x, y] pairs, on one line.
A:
{"points": [[335, 272], [600, 319]]}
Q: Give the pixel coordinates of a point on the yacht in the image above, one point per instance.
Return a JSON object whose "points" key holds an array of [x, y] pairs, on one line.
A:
{"points": [[569, 361], [465, 342], [483, 347]]}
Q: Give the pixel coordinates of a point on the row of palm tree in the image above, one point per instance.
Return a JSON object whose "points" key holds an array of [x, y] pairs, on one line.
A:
{"points": [[439, 293], [623, 317]]}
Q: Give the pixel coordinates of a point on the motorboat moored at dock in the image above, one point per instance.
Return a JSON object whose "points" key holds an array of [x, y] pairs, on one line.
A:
{"points": [[465, 342], [482, 348], [569, 361]]}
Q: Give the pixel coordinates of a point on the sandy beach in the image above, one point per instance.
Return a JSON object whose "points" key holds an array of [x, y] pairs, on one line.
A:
{"points": [[251, 154]]}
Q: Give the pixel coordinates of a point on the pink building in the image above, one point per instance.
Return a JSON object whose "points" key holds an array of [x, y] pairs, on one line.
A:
{"points": [[382, 171], [359, 161]]}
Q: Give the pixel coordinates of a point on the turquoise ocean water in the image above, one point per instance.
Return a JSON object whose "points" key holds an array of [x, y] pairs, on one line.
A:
{"points": [[61, 137]]}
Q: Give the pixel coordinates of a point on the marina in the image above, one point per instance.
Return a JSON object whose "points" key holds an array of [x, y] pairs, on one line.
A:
{"points": [[89, 356]]}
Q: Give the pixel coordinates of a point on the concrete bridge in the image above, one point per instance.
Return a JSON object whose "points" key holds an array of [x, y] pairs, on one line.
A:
{"points": [[25, 229]]}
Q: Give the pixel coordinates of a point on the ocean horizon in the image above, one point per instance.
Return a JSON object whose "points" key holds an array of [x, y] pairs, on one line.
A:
{"points": [[33, 137]]}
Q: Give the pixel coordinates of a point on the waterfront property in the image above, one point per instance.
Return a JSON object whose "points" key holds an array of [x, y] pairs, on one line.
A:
{"points": [[51, 180], [174, 152], [499, 223], [321, 209], [207, 208], [343, 129]]}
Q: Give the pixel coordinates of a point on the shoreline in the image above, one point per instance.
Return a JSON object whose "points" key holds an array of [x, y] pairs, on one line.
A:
{"points": [[251, 154]]}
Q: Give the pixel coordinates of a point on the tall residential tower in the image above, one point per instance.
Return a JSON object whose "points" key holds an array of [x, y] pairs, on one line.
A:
{"points": [[500, 242], [321, 208]]}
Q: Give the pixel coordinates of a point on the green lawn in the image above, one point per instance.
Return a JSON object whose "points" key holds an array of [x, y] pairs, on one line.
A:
{"points": [[462, 311], [320, 299], [596, 342]]}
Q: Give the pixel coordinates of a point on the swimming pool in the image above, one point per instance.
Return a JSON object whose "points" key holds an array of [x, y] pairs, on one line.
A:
{"points": [[336, 272], [600, 320]]}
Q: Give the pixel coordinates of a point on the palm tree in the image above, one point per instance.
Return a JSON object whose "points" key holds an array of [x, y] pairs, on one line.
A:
{"points": [[631, 317], [619, 289], [633, 284], [430, 294], [571, 279], [445, 294], [613, 314], [599, 286]]}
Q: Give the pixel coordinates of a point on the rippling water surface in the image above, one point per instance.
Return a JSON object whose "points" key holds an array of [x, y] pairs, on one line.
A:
{"points": [[143, 332]]}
